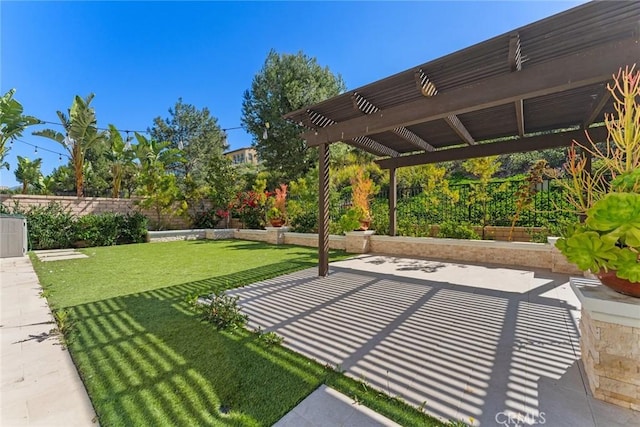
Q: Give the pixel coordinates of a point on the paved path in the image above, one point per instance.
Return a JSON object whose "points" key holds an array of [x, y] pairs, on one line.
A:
{"points": [[40, 384], [485, 345], [326, 407]]}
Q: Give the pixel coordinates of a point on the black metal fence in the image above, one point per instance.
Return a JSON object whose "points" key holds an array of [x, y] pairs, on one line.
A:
{"points": [[498, 208]]}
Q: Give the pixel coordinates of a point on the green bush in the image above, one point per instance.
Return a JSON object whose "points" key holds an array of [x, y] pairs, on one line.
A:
{"points": [[222, 310], [454, 230], [206, 219], [48, 227], [305, 221], [53, 227], [134, 228], [99, 230]]}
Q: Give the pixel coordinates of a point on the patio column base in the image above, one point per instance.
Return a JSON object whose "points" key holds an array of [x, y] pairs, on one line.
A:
{"points": [[359, 242], [275, 235], [610, 342]]}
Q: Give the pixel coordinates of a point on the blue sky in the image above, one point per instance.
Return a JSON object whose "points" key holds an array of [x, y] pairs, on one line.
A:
{"points": [[139, 57]]}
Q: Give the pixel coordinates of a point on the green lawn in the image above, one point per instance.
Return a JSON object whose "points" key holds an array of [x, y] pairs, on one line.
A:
{"points": [[147, 360]]}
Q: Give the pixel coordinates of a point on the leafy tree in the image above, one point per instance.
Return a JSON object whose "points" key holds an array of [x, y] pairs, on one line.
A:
{"points": [[120, 156], [81, 127], [157, 187], [12, 123], [484, 168], [285, 83], [28, 172], [196, 133], [63, 180]]}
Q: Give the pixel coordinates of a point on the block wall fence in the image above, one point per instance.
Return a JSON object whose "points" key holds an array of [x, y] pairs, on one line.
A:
{"points": [[92, 205]]}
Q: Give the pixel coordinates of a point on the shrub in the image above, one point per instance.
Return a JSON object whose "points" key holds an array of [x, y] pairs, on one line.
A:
{"points": [[99, 230], [52, 227], [222, 310], [457, 231], [305, 221], [48, 227], [134, 228], [206, 219]]}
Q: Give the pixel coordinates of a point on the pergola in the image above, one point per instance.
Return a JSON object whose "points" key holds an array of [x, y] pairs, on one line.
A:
{"points": [[536, 87]]}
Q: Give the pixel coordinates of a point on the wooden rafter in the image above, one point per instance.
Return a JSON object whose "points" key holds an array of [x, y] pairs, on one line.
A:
{"points": [[522, 145], [363, 105], [428, 88], [515, 64], [592, 65], [454, 122], [363, 142], [425, 86], [515, 53], [599, 101], [374, 147]]}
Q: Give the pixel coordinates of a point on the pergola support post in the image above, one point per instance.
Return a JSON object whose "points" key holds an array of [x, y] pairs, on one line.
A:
{"points": [[393, 201], [323, 213]]}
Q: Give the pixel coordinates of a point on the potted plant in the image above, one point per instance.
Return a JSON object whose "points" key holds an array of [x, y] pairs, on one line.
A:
{"points": [[608, 241], [277, 214]]}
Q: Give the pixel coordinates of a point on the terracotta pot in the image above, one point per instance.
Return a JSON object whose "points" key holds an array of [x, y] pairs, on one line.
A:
{"points": [[276, 222], [364, 224], [622, 286]]}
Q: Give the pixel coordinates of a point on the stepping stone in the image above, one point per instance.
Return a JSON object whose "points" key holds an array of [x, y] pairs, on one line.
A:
{"points": [[59, 255]]}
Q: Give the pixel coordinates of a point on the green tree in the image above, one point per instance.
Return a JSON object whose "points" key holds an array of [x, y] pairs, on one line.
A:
{"points": [[12, 123], [158, 187], [120, 156], [285, 83], [483, 168], [62, 178], [196, 133], [81, 127], [28, 172]]}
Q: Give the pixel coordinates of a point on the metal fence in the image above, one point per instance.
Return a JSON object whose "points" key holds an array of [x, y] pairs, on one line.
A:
{"points": [[498, 208]]}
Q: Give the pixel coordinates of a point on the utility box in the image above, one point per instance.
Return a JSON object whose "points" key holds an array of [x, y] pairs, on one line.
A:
{"points": [[13, 236]]}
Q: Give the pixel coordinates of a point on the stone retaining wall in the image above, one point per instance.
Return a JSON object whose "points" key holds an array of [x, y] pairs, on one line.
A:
{"points": [[535, 255], [306, 239], [172, 235]]}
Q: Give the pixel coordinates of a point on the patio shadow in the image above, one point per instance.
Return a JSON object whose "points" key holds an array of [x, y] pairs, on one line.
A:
{"points": [[146, 360], [476, 351]]}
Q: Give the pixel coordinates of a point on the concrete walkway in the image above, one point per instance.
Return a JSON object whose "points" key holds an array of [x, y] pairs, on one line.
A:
{"points": [[40, 384], [484, 345], [326, 407]]}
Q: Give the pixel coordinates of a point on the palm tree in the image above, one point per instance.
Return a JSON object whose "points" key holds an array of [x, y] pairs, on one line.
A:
{"points": [[81, 133], [120, 157], [28, 172], [12, 123]]}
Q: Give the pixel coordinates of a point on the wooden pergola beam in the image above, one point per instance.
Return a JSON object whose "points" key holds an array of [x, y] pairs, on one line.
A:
{"points": [[596, 107], [363, 142], [454, 122], [522, 145], [363, 105], [590, 66], [519, 105]]}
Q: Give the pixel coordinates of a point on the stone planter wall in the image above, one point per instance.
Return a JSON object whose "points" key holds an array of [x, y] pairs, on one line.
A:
{"points": [[610, 343], [172, 235], [535, 255], [311, 240]]}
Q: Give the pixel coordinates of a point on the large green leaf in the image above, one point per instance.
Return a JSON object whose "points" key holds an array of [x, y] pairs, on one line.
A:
{"points": [[627, 265], [619, 215], [588, 250]]}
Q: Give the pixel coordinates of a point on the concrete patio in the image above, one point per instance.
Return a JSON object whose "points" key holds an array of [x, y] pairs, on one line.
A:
{"points": [[484, 345]]}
